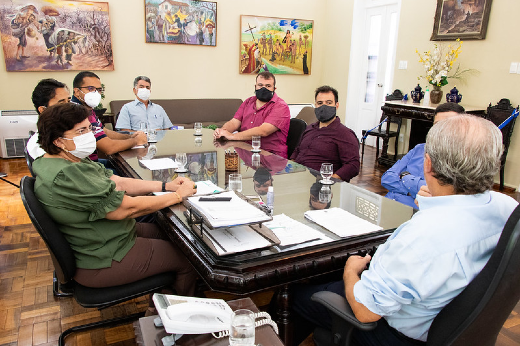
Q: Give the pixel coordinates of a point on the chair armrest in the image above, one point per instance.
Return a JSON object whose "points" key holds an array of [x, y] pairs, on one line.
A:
{"points": [[340, 307]]}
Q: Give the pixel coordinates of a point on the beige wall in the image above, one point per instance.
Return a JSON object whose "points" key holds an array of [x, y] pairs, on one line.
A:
{"points": [[191, 72], [491, 57]]}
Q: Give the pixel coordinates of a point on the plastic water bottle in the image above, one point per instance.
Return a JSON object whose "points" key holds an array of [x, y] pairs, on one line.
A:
{"points": [[270, 199], [426, 99]]}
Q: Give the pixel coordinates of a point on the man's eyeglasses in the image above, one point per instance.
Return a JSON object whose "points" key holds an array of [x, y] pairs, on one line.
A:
{"points": [[91, 88]]}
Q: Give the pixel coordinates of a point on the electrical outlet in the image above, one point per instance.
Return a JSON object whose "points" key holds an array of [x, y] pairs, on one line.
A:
{"points": [[513, 68], [403, 65], [401, 137]]}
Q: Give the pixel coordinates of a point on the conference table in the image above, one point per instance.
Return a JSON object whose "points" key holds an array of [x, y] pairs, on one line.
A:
{"points": [[296, 190]]}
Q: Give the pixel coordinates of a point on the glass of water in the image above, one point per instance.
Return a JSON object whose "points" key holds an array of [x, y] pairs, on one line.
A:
{"points": [[235, 182], [143, 127], [198, 129], [326, 173], [182, 160], [255, 142], [325, 195], [242, 331], [152, 135]]}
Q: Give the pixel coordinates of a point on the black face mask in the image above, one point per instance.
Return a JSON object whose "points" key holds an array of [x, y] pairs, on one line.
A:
{"points": [[325, 113], [264, 95]]}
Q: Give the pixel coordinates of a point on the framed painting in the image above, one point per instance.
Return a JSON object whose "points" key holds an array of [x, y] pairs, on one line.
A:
{"points": [[55, 35], [277, 45], [467, 20], [181, 22]]}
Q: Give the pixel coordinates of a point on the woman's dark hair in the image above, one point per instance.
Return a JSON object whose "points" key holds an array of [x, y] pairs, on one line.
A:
{"points": [[56, 120]]}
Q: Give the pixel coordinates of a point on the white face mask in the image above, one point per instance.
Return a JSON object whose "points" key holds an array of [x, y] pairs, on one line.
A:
{"points": [[85, 145], [92, 99], [143, 93]]}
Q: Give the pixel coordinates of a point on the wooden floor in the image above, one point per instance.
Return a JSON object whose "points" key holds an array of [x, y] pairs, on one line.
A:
{"points": [[31, 315]]}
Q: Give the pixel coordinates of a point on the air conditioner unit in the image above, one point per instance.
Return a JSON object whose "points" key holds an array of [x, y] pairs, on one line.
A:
{"points": [[14, 131]]}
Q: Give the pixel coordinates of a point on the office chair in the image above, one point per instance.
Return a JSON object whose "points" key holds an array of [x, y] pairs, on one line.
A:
{"points": [[307, 114], [29, 161], [294, 136], [497, 114], [474, 317], [384, 133], [65, 268]]}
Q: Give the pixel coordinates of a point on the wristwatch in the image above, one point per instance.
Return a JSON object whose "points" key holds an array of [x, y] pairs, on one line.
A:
{"points": [[402, 174], [163, 187]]}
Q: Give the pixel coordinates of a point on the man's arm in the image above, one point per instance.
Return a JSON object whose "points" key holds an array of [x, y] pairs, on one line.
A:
{"points": [[111, 146], [263, 130], [391, 179], [351, 274], [349, 156]]}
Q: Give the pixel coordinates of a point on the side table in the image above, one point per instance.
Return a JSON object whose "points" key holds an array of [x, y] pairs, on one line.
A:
{"points": [[149, 335]]}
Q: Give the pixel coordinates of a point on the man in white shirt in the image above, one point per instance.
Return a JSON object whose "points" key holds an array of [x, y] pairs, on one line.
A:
{"points": [[142, 110], [47, 92]]}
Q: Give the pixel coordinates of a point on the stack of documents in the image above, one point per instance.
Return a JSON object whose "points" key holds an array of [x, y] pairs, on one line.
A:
{"points": [[228, 213], [291, 232], [236, 239], [341, 222]]}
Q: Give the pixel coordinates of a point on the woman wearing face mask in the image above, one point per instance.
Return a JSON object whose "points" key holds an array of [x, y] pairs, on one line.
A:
{"points": [[95, 209]]}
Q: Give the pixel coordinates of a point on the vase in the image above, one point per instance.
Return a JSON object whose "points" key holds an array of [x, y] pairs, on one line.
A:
{"points": [[436, 94]]}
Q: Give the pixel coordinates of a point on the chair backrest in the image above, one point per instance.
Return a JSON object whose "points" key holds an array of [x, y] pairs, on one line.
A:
{"points": [[497, 114], [60, 250], [29, 161], [294, 136], [391, 120], [307, 114], [476, 315]]}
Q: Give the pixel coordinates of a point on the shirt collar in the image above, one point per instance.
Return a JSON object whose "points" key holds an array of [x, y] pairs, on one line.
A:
{"points": [[139, 102], [333, 124], [274, 99], [453, 200]]}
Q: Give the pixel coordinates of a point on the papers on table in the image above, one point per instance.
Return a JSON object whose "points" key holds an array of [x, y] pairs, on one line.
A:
{"points": [[207, 187], [341, 222], [228, 213], [236, 239], [156, 164], [138, 147], [291, 232]]}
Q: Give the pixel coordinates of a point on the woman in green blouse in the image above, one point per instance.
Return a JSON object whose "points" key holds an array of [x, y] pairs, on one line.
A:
{"points": [[95, 209]]}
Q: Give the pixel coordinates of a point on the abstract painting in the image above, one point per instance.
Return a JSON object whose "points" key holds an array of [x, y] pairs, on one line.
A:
{"points": [[466, 20], [277, 45], [181, 22], [55, 35]]}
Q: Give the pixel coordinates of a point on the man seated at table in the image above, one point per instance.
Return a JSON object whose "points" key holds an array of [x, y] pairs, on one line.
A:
{"points": [[264, 114], [430, 259], [405, 178], [142, 110], [87, 91], [328, 140], [47, 92]]}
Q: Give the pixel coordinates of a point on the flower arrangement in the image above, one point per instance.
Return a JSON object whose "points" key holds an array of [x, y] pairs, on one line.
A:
{"points": [[438, 63]]}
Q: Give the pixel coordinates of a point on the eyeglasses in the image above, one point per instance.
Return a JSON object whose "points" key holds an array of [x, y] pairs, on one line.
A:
{"points": [[83, 130], [91, 88]]}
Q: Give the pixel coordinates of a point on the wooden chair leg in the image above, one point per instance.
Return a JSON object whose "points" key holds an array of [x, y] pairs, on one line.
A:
{"points": [[377, 148], [362, 148], [396, 146], [502, 171]]}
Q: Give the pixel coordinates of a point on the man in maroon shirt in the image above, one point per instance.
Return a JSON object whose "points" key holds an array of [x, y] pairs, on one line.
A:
{"points": [[328, 140], [264, 114]]}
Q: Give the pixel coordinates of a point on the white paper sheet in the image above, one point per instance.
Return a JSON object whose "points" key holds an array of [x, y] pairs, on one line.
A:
{"points": [[156, 164], [341, 222], [290, 231], [206, 187], [237, 239]]}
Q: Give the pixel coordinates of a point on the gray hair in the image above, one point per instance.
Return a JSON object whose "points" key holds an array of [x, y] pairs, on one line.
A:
{"points": [[465, 152], [138, 78]]}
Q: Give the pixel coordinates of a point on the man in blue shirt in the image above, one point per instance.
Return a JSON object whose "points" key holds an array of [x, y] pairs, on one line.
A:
{"points": [[405, 178], [430, 259], [142, 110]]}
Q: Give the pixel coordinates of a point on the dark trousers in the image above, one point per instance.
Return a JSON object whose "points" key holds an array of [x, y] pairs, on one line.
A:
{"points": [[311, 314]]}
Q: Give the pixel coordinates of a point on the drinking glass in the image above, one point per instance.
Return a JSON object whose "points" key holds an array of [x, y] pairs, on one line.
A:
{"points": [[242, 331], [182, 160], [198, 129], [143, 127], [235, 182], [255, 142], [152, 135], [326, 173], [198, 141], [255, 160], [325, 195]]}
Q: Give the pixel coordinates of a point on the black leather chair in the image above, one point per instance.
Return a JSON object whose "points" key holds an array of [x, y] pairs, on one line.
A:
{"points": [[474, 317], [29, 161], [497, 114], [294, 136], [383, 131], [307, 114], [65, 268]]}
